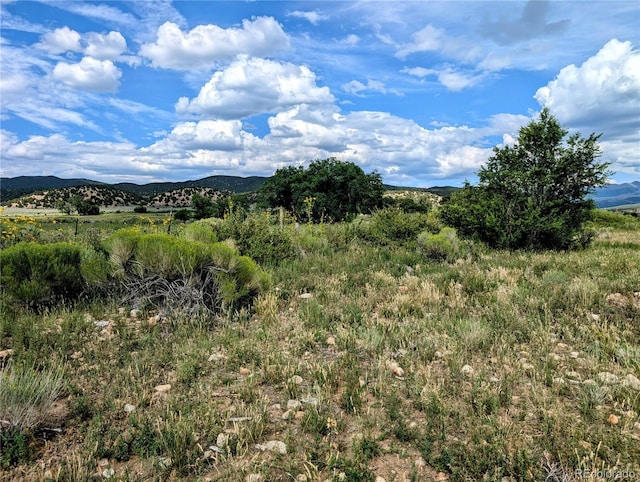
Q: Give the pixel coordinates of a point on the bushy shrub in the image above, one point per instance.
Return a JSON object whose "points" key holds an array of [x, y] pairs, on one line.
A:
{"points": [[259, 236], [443, 246], [38, 276], [201, 232], [178, 275], [392, 225]]}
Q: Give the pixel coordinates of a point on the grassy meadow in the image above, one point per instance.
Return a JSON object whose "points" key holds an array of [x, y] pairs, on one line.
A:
{"points": [[367, 359]]}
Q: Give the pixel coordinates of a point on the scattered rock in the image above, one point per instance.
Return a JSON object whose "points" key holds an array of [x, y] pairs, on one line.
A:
{"points": [[305, 296], [108, 473], [254, 478], [396, 370], [607, 377], [632, 381], [296, 380], [494, 380], [562, 347], [331, 341], [273, 446], [595, 317], [558, 380], [555, 357], [152, 321], [573, 376], [574, 354], [467, 370], [239, 419], [613, 419], [216, 357], [102, 323], [589, 382], [299, 414], [313, 401], [121, 311], [129, 408], [293, 404], [163, 388], [134, 313], [438, 354], [286, 415], [380, 479], [244, 371]]}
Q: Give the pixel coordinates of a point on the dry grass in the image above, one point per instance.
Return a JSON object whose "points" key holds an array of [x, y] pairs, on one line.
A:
{"points": [[512, 366]]}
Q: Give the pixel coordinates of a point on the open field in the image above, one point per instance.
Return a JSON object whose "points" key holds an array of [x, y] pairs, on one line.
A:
{"points": [[362, 360]]}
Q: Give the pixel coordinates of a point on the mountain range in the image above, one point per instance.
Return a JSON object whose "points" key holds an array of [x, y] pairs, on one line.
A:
{"points": [[607, 196]]}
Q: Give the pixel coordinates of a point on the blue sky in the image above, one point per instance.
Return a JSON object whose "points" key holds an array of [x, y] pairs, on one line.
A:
{"points": [[419, 91]]}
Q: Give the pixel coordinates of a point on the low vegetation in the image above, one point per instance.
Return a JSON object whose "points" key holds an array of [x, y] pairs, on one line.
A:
{"points": [[366, 355]]}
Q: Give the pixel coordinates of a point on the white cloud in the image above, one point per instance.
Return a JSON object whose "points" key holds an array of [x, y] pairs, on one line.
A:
{"points": [[603, 96], [427, 39], [59, 41], [203, 46], [604, 91], [351, 39], [453, 80], [253, 86], [313, 17], [90, 75], [356, 87], [105, 47]]}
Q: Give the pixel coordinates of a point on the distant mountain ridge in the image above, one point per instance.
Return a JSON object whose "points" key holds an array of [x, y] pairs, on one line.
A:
{"points": [[610, 195], [613, 195], [15, 187]]}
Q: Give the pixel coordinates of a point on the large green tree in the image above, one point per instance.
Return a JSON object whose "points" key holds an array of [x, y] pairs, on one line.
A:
{"points": [[328, 189], [533, 194]]}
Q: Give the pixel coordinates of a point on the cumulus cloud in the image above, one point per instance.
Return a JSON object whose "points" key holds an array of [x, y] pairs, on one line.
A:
{"points": [[603, 96], [89, 74], [604, 91], [59, 41], [105, 47], [252, 86], [203, 46]]}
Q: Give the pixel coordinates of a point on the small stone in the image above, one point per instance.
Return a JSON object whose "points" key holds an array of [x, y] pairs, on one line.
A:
{"points": [[632, 382], [438, 354], [331, 341], [76, 355], [129, 408], [108, 473], [163, 388], [558, 381], [254, 478], [398, 372], [296, 380], [121, 311], [152, 321], [293, 404], [103, 462], [607, 377], [527, 367], [305, 296], [574, 354], [554, 357], [467, 370], [494, 380], [299, 415], [273, 446], [244, 371], [613, 419], [102, 323], [48, 474], [216, 357], [380, 479], [562, 347], [441, 477], [595, 317], [134, 313], [589, 383], [286, 415]]}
